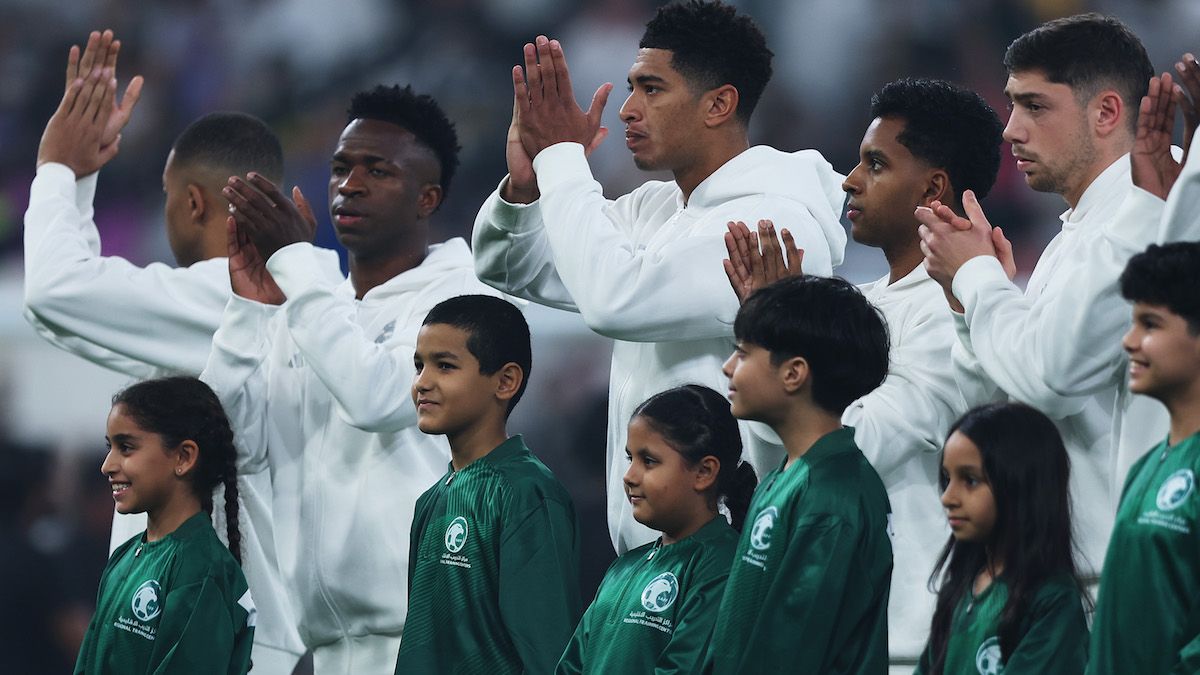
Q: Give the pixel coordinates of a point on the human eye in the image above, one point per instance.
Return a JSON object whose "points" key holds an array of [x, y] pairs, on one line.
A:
{"points": [[337, 169], [418, 365], [444, 365], [378, 173]]}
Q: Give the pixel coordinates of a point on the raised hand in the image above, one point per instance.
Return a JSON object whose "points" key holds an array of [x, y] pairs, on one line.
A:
{"points": [[267, 217], [1189, 78], [546, 109], [248, 272], [73, 134], [100, 53], [756, 259], [949, 240], [1153, 168], [521, 187]]}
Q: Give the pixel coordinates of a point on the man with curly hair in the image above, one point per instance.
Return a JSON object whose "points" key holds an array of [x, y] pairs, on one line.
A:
{"points": [[644, 269], [315, 372]]}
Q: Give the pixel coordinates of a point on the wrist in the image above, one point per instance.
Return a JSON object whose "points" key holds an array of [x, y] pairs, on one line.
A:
{"points": [[513, 193]]}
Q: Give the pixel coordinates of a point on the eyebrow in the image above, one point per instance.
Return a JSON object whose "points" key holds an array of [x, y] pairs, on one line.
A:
{"points": [[444, 355], [646, 79], [120, 437], [348, 158], [1025, 97], [875, 154]]}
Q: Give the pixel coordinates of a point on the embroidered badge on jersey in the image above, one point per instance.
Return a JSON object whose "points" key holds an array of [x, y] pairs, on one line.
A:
{"points": [[657, 597], [146, 605], [760, 537], [1172, 494], [455, 539], [987, 659]]}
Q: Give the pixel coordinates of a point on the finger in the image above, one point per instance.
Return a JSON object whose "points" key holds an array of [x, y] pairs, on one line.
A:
{"points": [[93, 92], [974, 210], [599, 100], [110, 60], [1004, 252], [69, 96], [562, 76], [133, 94], [741, 237], [754, 262], [924, 232], [267, 188], [928, 253], [89, 54], [795, 254], [1189, 75], [533, 76], [105, 109], [72, 65], [107, 152], [303, 206], [520, 93], [546, 63], [244, 200], [232, 245], [734, 279], [601, 134], [772, 257]]}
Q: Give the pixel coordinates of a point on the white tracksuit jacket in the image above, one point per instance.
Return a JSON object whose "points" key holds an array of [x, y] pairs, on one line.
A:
{"points": [[318, 391], [645, 269], [145, 322], [1057, 346]]}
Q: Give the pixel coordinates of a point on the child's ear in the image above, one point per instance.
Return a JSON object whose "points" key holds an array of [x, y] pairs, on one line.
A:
{"points": [[794, 374], [186, 456], [508, 381], [707, 470]]}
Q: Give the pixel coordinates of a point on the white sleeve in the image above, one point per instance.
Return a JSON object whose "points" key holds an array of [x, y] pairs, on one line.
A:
{"points": [[623, 291], [513, 255], [974, 385], [917, 402], [238, 371], [1054, 351], [1181, 216], [136, 320], [370, 383]]}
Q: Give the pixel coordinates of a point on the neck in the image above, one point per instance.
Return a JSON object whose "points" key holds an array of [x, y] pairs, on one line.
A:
{"points": [[696, 520], [714, 157], [165, 519], [803, 428], [476, 441], [1185, 415], [367, 273], [1093, 171], [902, 260]]}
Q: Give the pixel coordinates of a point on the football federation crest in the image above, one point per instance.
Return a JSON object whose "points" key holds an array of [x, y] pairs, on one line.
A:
{"points": [[1175, 490], [760, 533], [456, 534], [987, 659], [660, 593], [145, 603]]}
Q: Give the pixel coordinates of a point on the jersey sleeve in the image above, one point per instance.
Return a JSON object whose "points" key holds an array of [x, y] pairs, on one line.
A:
{"points": [[627, 292], [689, 643], [1189, 658], [1056, 640], [238, 372], [539, 581], [370, 382], [1030, 347], [196, 633], [512, 253], [131, 319], [571, 662]]}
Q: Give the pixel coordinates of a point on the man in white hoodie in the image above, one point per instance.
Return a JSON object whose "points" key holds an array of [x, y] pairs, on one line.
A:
{"points": [[644, 269], [154, 320], [317, 386], [1057, 345], [928, 141]]}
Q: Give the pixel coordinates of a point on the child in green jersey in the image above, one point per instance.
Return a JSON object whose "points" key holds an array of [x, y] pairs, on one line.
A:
{"points": [[655, 609], [1148, 611], [1009, 600], [494, 560], [808, 589], [172, 599]]}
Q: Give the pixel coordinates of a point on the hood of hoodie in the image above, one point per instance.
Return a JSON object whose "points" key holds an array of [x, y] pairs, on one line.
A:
{"points": [[804, 177]]}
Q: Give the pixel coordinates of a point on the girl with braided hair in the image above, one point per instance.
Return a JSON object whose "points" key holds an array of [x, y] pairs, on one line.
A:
{"points": [[173, 598]]}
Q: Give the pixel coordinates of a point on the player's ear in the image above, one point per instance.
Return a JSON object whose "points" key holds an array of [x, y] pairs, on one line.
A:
{"points": [[508, 381], [429, 199], [794, 374], [707, 470], [198, 202], [937, 187], [721, 105]]}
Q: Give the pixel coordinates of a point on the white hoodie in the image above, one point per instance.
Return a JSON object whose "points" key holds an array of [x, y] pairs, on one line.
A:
{"points": [[318, 392], [645, 269]]}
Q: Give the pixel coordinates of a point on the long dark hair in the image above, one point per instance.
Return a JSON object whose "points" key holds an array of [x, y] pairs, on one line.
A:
{"points": [[1027, 467], [181, 409], [696, 422]]}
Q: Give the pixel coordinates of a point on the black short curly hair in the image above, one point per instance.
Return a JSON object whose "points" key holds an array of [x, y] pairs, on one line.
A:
{"points": [[420, 114], [711, 45], [947, 127], [1086, 52], [1166, 275]]}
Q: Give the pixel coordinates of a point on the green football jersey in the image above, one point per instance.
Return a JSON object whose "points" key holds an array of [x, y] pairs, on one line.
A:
{"points": [[176, 605], [1053, 634], [1148, 611], [493, 569], [809, 585], [655, 609]]}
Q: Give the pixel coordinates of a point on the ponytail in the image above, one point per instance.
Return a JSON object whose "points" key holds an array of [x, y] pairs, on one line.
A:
{"points": [[737, 491]]}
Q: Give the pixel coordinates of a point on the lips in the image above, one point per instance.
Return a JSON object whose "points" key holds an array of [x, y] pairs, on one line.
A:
{"points": [[853, 211], [119, 489], [344, 216], [633, 137]]}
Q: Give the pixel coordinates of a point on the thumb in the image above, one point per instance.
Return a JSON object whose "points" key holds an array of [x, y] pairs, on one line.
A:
{"points": [[601, 134], [974, 210], [599, 100], [231, 238], [1004, 252]]}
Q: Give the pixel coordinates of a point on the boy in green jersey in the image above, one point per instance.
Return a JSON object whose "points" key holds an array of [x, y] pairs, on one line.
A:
{"points": [[1148, 611], [809, 585], [494, 563]]}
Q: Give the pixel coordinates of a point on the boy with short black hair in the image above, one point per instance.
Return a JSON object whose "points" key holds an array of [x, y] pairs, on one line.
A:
{"points": [[809, 585], [494, 560], [1146, 615]]}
